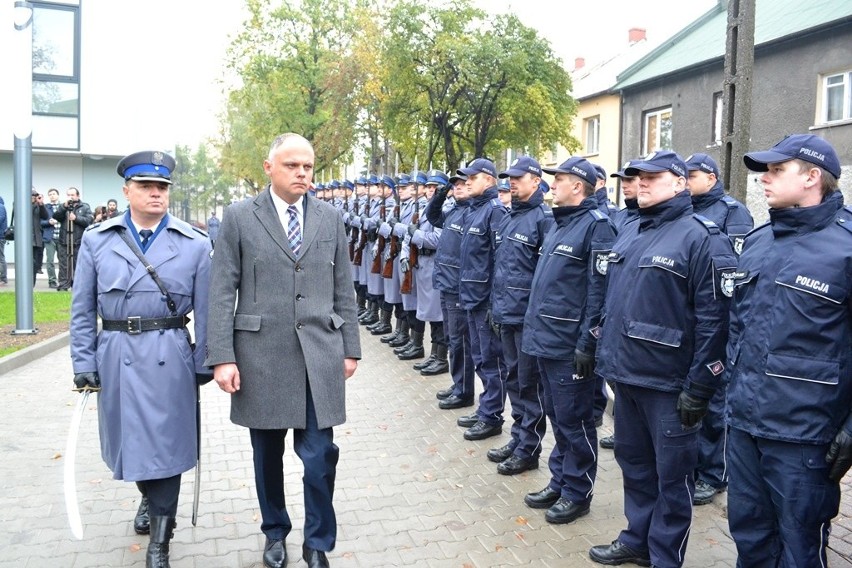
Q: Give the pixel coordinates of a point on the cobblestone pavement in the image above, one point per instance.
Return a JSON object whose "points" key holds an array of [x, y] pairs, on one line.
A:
{"points": [[410, 490]]}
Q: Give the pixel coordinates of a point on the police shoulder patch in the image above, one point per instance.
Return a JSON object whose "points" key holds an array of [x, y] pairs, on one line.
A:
{"points": [[596, 214], [730, 202], [601, 258]]}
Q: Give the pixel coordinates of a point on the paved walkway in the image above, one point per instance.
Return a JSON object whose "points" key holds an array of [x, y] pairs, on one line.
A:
{"points": [[410, 490]]}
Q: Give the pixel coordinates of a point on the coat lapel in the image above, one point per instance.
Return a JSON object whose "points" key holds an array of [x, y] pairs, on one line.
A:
{"points": [[267, 215], [313, 221]]}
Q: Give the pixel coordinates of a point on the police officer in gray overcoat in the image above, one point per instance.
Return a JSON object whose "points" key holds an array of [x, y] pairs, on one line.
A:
{"points": [[143, 358]]}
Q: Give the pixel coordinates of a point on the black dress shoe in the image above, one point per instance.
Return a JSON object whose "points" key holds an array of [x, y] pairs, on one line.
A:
{"points": [[274, 554], [514, 465], [314, 558], [482, 430], [565, 511], [467, 421], [543, 499], [500, 454], [142, 522], [455, 401], [442, 394], [617, 553], [436, 367], [607, 442], [423, 364]]}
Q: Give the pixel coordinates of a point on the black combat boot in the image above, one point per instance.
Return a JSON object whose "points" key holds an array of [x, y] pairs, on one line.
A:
{"points": [[428, 361], [439, 366], [372, 315], [415, 349], [142, 524], [162, 531], [400, 331], [383, 326]]}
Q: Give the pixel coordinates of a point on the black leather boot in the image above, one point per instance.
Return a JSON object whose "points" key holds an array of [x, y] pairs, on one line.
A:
{"points": [[426, 362], [162, 531], [362, 304], [372, 315], [383, 326], [439, 366], [142, 524], [400, 336], [415, 349]]}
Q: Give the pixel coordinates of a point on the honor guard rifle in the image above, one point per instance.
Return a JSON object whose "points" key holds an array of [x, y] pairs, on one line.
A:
{"points": [[354, 232], [407, 283], [362, 236], [393, 247], [376, 267]]}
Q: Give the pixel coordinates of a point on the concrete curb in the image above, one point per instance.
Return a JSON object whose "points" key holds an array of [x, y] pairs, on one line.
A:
{"points": [[29, 354]]}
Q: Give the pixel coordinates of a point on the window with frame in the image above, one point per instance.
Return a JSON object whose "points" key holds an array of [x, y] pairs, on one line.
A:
{"points": [[837, 96], [56, 75], [593, 134], [717, 119], [657, 134]]}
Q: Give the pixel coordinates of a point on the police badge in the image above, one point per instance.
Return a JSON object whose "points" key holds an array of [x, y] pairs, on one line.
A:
{"points": [[727, 283], [738, 245], [602, 262]]}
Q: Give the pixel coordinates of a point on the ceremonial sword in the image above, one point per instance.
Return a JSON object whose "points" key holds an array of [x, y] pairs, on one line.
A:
{"points": [[71, 505]]}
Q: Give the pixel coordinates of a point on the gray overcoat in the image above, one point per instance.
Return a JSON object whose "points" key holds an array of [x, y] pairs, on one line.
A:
{"points": [[294, 319]]}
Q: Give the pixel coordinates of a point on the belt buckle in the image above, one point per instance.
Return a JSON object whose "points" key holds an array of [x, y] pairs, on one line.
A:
{"points": [[134, 325]]}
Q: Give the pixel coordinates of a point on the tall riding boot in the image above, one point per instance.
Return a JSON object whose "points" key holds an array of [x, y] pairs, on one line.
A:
{"points": [[362, 303], [400, 333], [162, 531], [142, 524], [439, 366], [415, 351], [383, 326], [372, 315], [426, 362]]}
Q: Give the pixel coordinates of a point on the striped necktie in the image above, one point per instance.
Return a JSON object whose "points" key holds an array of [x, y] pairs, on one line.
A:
{"points": [[294, 231]]}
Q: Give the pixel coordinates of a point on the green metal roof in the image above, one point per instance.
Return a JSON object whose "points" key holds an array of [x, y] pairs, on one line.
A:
{"points": [[704, 39]]}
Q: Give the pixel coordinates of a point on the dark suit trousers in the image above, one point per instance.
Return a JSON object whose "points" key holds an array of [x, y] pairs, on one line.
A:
{"points": [[319, 456]]}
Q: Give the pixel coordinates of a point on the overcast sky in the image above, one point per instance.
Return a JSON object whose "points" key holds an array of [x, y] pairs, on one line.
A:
{"points": [[590, 29]]}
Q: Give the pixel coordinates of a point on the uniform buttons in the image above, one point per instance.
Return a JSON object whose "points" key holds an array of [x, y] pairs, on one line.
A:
{"points": [[128, 296], [299, 297], [161, 363], [127, 361], [299, 325], [298, 268]]}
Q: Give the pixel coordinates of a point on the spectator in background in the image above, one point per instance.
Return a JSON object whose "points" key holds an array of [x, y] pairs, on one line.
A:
{"points": [[213, 227], [100, 214], [39, 216], [50, 244], [112, 209]]}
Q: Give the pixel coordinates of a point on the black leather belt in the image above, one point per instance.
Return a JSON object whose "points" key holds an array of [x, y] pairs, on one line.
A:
{"points": [[426, 252], [135, 324]]}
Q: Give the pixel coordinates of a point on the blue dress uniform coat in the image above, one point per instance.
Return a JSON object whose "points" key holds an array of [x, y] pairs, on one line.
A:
{"points": [[732, 216], [309, 323], [790, 385], [390, 285], [478, 245], [565, 306], [147, 403], [664, 330], [375, 283], [426, 239], [406, 215]]}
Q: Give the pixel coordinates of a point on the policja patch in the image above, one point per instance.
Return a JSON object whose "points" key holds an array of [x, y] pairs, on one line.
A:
{"points": [[601, 261]]}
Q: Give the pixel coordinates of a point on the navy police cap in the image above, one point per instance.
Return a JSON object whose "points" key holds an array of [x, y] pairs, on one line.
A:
{"points": [[147, 166]]}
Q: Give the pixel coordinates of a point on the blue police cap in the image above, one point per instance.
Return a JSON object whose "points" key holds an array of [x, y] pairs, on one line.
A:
{"points": [[319, 187], [419, 177], [402, 180], [456, 178], [437, 177], [333, 184], [346, 184], [388, 181], [620, 173], [373, 180], [703, 163], [147, 166], [503, 185], [662, 161], [479, 166], [522, 165], [576, 166], [807, 147], [361, 180], [543, 186], [601, 172]]}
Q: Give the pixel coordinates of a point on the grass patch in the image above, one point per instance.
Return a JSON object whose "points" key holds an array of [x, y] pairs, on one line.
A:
{"points": [[48, 307]]}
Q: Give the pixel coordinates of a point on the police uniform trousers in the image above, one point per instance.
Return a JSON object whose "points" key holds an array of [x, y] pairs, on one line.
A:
{"points": [[523, 387], [319, 455], [712, 438], [569, 404], [162, 495], [600, 397], [488, 363], [657, 456], [458, 342], [780, 501]]}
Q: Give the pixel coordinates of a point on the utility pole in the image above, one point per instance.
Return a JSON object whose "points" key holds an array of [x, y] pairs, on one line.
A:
{"points": [[736, 101]]}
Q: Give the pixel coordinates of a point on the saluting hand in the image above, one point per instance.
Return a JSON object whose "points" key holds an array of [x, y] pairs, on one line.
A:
{"points": [[227, 376]]}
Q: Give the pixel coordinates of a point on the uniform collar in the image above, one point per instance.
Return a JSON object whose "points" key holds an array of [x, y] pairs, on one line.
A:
{"points": [[487, 195], [678, 206], [536, 199], [791, 220], [632, 204], [565, 215], [705, 200]]}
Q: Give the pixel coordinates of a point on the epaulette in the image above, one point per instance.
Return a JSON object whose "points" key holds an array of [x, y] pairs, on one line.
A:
{"points": [[93, 226], [711, 227], [200, 232], [597, 215], [495, 202], [845, 218], [730, 202]]}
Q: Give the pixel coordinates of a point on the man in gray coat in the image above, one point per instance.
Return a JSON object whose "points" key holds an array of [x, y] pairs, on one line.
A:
{"points": [[283, 338]]}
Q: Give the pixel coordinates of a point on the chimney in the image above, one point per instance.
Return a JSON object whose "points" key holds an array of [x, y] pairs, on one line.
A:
{"points": [[579, 63], [635, 35]]}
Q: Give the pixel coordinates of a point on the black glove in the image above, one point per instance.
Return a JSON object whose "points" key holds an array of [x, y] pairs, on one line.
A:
{"points": [[411, 228], [87, 382], [839, 455], [495, 327], [584, 363], [443, 191], [692, 409], [202, 380]]}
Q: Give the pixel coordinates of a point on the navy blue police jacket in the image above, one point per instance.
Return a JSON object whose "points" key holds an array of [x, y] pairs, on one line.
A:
{"points": [[478, 246], [569, 283], [665, 322], [519, 239], [628, 214], [605, 206], [791, 325], [732, 216], [445, 275]]}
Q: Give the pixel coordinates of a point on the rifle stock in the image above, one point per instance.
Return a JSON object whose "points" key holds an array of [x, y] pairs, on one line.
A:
{"points": [[407, 283], [393, 251], [376, 267]]}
